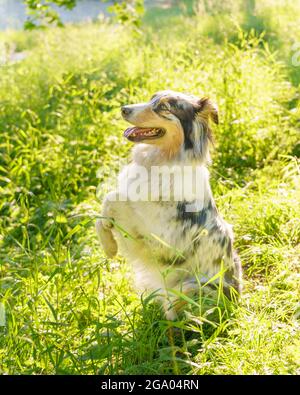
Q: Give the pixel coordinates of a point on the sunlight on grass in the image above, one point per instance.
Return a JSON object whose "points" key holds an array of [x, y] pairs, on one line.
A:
{"points": [[69, 310]]}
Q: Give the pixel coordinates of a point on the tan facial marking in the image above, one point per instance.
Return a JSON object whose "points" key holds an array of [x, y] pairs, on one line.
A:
{"points": [[167, 118], [145, 118], [171, 142]]}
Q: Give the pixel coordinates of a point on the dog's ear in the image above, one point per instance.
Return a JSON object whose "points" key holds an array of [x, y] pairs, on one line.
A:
{"points": [[206, 110]]}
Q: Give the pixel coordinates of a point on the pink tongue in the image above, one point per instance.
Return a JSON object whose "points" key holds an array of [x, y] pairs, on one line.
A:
{"points": [[135, 129]]}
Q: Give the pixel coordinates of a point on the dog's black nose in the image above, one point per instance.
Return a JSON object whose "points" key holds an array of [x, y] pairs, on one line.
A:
{"points": [[126, 111]]}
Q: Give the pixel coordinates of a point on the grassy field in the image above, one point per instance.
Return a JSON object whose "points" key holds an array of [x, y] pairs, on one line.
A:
{"points": [[69, 310]]}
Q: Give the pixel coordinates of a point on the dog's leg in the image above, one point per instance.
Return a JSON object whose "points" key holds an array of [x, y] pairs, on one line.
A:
{"points": [[233, 276], [107, 240], [104, 226], [169, 310]]}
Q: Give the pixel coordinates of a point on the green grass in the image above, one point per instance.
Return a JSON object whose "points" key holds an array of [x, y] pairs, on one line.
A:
{"points": [[68, 309]]}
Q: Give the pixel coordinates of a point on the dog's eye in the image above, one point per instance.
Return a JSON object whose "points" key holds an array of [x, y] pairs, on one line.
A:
{"points": [[163, 107]]}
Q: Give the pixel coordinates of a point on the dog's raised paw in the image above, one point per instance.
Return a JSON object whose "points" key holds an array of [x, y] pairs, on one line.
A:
{"points": [[107, 240]]}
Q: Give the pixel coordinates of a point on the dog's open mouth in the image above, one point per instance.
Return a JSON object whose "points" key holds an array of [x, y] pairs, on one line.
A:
{"points": [[136, 133]]}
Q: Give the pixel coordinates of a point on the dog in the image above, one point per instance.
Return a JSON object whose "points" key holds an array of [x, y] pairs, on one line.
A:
{"points": [[176, 244]]}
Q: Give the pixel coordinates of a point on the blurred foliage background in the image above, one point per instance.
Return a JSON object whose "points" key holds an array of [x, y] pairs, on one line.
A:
{"points": [[66, 308]]}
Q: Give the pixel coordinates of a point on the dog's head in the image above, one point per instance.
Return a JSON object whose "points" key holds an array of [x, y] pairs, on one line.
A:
{"points": [[171, 121]]}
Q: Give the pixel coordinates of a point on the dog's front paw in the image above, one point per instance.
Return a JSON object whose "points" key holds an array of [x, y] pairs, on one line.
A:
{"points": [[109, 244], [106, 223]]}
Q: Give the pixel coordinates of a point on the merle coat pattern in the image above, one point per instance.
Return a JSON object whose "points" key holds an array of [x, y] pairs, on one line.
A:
{"points": [[169, 245]]}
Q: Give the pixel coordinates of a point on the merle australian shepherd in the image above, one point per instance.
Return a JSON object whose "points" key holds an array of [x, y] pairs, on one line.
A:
{"points": [[176, 246]]}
